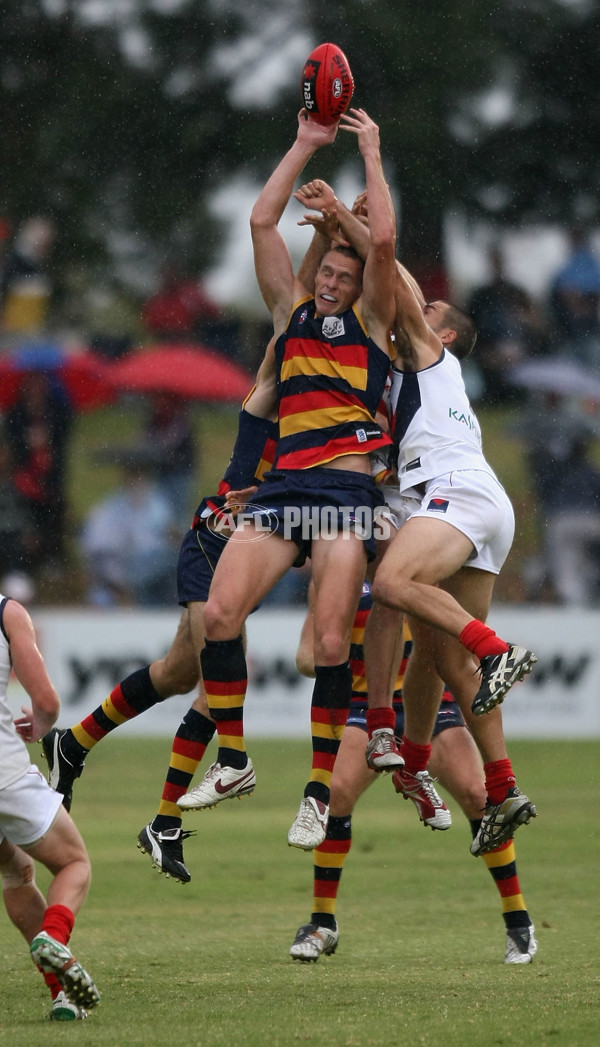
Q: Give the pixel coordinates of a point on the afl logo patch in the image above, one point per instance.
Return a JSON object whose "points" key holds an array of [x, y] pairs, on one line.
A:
{"points": [[438, 505]]}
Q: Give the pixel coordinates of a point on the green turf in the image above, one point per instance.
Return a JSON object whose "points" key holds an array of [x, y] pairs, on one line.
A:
{"points": [[422, 939]]}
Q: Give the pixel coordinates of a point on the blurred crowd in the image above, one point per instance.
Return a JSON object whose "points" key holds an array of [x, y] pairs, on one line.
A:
{"points": [[539, 355]]}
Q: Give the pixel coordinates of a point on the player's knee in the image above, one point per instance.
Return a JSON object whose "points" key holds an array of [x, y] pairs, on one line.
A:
{"points": [[331, 647], [221, 621], [305, 663], [18, 871], [382, 592], [472, 799]]}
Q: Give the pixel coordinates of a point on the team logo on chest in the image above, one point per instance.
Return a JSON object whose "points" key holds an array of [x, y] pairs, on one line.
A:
{"points": [[333, 327]]}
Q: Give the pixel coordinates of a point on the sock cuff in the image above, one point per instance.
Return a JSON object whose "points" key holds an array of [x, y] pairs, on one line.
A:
{"points": [[416, 756], [382, 716], [478, 638], [222, 645], [339, 827], [196, 727], [138, 690]]}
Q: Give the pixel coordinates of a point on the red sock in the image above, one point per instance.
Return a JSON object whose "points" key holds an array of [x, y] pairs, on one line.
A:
{"points": [[52, 982], [416, 757], [58, 923], [383, 716], [499, 778], [482, 640]]}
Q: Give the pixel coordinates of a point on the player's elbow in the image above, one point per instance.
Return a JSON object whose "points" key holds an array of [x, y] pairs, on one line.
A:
{"points": [[383, 245], [260, 219]]}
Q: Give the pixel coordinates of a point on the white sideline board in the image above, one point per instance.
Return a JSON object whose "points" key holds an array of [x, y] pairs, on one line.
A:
{"points": [[88, 652]]}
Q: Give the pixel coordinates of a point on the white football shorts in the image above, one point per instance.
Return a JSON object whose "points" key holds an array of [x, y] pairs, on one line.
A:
{"points": [[27, 808], [471, 500]]}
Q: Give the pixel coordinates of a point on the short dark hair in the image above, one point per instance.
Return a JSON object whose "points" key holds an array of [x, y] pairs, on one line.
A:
{"points": [[466, 332], [348, 252]]}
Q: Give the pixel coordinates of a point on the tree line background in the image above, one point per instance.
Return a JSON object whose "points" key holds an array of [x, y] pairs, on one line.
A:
{"points": [[120, 120]]}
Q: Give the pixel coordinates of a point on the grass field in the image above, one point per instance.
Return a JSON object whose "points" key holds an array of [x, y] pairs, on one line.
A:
{"points": [[422, 939]]}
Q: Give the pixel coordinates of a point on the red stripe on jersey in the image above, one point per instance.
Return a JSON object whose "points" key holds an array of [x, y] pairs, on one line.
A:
{"points": [[346, 355], [318, 400], [307, 457]]}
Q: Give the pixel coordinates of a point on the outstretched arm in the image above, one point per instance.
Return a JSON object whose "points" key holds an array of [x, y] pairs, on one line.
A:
{"points": [[417, 344], [272, 261], [378, 305]]}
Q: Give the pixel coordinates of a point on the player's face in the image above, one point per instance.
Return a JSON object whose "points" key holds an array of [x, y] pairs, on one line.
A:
{"points": [[338, 283], [435, 314]]}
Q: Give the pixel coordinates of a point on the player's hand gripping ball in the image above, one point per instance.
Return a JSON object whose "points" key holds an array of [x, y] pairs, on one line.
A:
{"points": [[327, 84]]}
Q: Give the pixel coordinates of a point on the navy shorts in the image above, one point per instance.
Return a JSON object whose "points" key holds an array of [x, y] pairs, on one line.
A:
{"points": [[198, 557], [298, 503], [449, 715]]}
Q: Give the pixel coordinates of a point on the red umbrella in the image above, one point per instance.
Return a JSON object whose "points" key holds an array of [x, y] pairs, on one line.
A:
{"points": [[190, 371], [85, 377]]}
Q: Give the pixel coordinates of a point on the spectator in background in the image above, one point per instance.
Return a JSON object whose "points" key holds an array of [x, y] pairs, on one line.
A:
{"points": [[38, 427], [25, 286], [18, 546], [129, 543], [169, 441], [180, 309], [5, 236], [575, 302], [509, 329], [567, 488]]}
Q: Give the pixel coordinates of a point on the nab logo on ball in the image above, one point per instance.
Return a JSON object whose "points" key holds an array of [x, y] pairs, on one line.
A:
{"points": [[327, 84]]}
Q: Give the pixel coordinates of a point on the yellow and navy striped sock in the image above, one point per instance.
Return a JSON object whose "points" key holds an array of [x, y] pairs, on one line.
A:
{"points": [[225, 679], [502, 865], [189, 745], [133, 696], [329, 711], [329, 862]]}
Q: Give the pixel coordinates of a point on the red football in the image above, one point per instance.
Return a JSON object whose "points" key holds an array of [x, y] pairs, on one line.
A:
{"points": [[327, 83]]}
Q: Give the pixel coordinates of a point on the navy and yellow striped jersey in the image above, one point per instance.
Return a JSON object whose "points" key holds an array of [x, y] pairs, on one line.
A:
{"points": [[330, 380]]}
